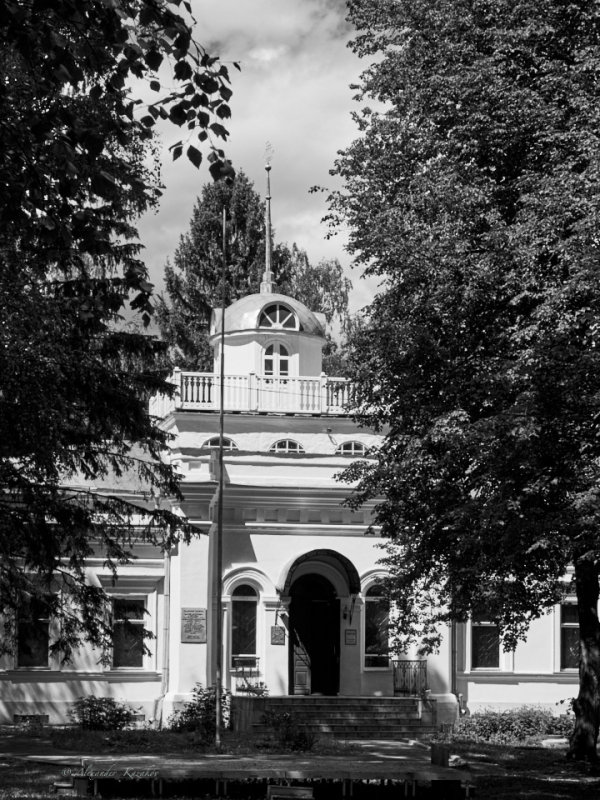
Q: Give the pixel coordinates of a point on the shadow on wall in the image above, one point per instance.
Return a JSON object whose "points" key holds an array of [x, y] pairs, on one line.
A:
{"points": [[53, 695]]}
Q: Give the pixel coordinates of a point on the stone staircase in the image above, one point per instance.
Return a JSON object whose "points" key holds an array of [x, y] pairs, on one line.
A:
{"points": [[358, 717]]}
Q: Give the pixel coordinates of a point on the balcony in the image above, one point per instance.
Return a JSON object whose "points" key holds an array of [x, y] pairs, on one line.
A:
{"points": [[200, 391]]}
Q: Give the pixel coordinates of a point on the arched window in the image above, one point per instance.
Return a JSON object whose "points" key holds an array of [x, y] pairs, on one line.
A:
{"points": [[244, 603], [286, 446], [377, 621], [276, 361], [278, 316], [351, 449], [213, 444]]}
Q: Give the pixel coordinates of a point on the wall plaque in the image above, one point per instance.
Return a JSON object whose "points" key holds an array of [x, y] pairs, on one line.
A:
{"points": [[277, 634], [193, 625], [350, 636]]}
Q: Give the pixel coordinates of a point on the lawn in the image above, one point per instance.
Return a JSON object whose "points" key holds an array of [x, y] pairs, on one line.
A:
{"points": [[533, 773]]}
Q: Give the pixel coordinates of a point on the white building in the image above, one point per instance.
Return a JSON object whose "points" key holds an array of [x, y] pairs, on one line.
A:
{"points": [[302, 613]]}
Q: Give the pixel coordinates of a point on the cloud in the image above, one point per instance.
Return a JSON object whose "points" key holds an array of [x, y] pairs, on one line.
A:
{"points": [[293, 91], [265, 55]]}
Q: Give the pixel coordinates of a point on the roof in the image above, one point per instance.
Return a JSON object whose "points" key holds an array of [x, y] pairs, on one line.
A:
{"points": [[244, 314]]}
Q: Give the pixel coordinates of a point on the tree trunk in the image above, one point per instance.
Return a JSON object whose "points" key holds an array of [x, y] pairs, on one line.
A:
{"points": [[587, 705]]}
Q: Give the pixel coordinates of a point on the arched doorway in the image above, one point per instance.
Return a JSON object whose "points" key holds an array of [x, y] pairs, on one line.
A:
{"points": [[314, 636]]}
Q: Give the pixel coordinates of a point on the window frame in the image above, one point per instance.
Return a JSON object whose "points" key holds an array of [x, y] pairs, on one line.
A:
{"points": [[214, 443], [130, 598], [150, 589], [253, 659], [478, 621], [297, 450], [276, 356], [49, 622], [357, 449], [279, 324], [372, 601], [572, 603]]}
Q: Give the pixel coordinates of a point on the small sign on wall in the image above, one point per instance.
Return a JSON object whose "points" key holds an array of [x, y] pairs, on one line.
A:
{"points": [[350, 636], [277, 634], [193, 625]]}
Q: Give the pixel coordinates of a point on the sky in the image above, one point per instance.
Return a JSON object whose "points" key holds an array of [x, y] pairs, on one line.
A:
{"points": [[293, 94]]}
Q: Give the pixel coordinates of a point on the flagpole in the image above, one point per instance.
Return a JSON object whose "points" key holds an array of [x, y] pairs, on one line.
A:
{"points": [[217, 582]]}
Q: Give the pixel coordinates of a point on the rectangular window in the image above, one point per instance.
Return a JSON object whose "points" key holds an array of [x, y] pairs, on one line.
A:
{"points": [[377, 620], [243, 633], [485, 644], [569, 636], [128, 627], [33, 634]]}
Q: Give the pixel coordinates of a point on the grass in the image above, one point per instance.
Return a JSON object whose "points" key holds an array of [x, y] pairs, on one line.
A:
{"points": [[532, 773], [146, 742], [20, 780]]}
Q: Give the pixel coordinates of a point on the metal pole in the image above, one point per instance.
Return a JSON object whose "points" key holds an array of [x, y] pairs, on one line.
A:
{"points": [[219, 543]]}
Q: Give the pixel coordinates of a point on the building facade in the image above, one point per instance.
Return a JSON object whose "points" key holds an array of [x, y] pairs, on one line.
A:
{"points": [[302, 608]]}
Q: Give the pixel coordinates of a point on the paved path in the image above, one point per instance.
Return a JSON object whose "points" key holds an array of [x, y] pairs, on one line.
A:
{"points": [[407, 760]]}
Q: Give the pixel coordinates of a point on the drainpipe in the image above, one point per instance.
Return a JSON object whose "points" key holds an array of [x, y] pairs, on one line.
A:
{"points": [[164, 684], [453, 644]]}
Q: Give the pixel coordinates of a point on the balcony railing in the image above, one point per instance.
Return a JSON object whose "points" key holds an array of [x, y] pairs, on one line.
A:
{"points": [[410, 677], [200, 391]]}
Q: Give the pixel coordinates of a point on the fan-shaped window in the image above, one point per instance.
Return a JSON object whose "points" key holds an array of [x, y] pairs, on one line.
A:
{"points": [[286, 446], [243, 626], [276, 361], [213, 444], [352, 449], [278, 316]]}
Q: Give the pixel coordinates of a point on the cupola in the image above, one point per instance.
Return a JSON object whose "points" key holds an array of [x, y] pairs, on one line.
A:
{"points": [[269, 333]]}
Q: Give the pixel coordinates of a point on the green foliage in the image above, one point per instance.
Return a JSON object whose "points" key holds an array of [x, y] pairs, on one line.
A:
{"points": [[101, 714], [199, 715], [78, 167], [288, 732], [513, 726], [193, 280], [473, 194]]}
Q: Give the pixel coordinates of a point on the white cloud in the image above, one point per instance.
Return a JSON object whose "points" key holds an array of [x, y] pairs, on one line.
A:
{"points": [[293, 91]]}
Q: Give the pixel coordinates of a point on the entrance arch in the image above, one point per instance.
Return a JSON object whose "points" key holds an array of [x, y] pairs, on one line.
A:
{"points": [[313, 584], [314, 636]]}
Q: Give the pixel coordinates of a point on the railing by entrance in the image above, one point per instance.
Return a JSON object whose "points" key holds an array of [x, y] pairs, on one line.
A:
{"points": [[410, 677], [246, 676], [297, 395]]}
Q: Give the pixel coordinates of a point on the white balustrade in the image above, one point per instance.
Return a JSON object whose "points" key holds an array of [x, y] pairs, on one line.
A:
{"points": [[295, 395]]}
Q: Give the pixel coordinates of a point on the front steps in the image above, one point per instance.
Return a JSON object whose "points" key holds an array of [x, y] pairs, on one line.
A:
{"points": [[358, 717]]}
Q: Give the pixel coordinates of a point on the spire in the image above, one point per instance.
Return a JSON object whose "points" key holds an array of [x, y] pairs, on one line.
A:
{"points": [[266, 286]]}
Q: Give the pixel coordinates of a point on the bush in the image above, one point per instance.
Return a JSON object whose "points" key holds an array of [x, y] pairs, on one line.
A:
{"points": [[512, 726], [199, 715], [288, 733], [101, 714]]}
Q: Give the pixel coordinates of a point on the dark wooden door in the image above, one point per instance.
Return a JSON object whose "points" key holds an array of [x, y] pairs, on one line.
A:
{"points": [[315, 624]]}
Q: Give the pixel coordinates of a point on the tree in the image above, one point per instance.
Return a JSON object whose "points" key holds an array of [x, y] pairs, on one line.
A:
{"points": [[193, 281], [74, 383], [473, 192]]}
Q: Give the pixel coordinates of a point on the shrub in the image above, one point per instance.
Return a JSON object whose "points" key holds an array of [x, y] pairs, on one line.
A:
{"points": [[288, 733], [199, 715], [512, 726], [101, 714]]}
